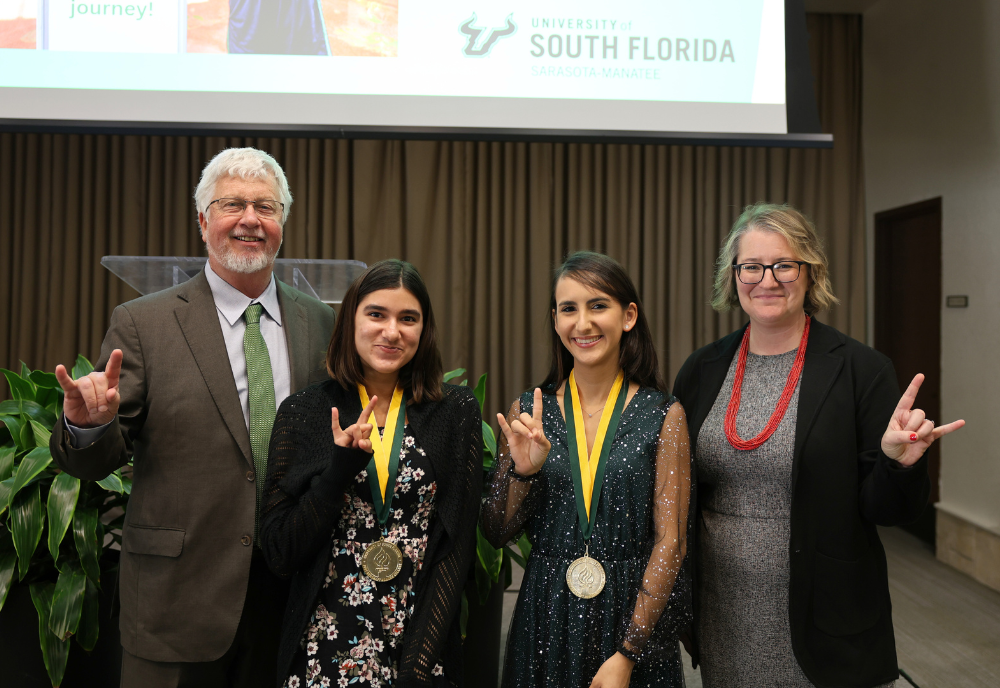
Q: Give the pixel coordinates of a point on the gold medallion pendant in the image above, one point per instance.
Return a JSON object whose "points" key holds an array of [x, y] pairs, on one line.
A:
{"points": [[382, 561], [585, 577]]}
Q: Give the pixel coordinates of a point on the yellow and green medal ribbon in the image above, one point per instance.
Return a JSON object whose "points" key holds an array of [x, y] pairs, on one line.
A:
{"points": [[588, 471], [384, 464]]}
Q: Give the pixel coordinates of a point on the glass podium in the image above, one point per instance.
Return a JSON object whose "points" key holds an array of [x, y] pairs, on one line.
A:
{"points": [[326, 280]]}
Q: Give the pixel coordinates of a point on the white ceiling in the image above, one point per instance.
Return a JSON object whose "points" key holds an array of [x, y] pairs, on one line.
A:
{"points": [[839, 6]]}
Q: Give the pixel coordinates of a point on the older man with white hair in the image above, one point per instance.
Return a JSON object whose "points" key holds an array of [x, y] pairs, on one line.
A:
{"points": [[191, 379]]}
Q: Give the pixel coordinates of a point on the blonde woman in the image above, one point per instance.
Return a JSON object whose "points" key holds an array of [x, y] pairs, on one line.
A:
{"points": [[802, 447]]}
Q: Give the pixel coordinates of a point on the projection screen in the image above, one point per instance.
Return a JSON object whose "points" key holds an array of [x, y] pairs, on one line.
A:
{"points": [[581, 67]]}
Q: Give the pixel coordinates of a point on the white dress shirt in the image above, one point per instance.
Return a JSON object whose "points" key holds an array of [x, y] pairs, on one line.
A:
{"points": [[230, 303]]}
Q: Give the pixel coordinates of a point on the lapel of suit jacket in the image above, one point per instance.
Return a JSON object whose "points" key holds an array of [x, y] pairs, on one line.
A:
{"points": [[819, 372], [296, 326], [199, 322], [711, 376]]}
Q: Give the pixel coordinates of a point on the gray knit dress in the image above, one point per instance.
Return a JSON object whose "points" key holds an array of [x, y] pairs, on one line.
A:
{"points": [[743, 566]]}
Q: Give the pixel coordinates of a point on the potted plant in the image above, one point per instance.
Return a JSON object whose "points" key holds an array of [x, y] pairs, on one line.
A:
{"points": [[482, 601], [56, 531]]}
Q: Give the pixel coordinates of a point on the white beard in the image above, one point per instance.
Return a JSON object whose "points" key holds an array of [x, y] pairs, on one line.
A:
{"points": [[242, 264]]}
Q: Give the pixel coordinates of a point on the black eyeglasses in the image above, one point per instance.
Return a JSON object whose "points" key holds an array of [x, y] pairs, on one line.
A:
{"points": [[753, 273], [265, 208]]}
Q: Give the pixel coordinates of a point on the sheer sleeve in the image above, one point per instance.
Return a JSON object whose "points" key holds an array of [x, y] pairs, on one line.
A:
{"points": [[307, 475], [511, 499], [663, 600]]}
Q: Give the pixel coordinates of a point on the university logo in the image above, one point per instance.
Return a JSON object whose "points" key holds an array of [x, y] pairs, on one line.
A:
{"points": [[475, 47]]}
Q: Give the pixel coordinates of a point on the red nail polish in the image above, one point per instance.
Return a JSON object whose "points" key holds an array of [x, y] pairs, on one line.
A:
{"points": [[913, 437]]}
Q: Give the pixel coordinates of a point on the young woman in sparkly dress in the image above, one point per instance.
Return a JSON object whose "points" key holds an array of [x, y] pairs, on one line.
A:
{"points": [[803, 446], [375, 527], [594, 467]]}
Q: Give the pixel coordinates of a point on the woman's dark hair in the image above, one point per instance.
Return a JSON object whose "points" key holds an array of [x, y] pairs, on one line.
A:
{"points": [[421, 377], [637, 356]]}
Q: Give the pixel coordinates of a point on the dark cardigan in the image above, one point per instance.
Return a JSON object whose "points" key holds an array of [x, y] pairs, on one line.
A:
{"points": [[843, 485], [306, 478]]}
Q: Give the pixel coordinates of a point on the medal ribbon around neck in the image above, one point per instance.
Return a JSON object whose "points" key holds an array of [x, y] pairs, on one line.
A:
{"points": [[384, 464], [588, 472], [786, 395]]}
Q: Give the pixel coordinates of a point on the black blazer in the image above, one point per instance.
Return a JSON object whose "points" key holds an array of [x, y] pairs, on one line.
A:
{"points": [[307, 475], [843, 485]]}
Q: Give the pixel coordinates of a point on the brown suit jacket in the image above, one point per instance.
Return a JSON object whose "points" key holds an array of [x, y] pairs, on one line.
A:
{"points": [[185, 544]]}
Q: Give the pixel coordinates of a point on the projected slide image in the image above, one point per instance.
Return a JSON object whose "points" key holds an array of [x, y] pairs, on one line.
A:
{"points": [[17, 23], [640, 65], [358, 28], [364, 28]]}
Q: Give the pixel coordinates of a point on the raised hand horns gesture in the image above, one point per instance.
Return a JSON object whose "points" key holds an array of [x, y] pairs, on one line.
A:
{"points": [[909, 432], [526, 439], [357, 435], [92, 400]]}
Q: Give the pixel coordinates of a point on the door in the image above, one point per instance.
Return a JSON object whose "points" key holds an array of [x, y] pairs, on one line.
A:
{"points": [[908, 315]]}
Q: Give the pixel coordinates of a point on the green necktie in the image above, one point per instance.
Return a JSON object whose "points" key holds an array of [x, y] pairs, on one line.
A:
{"points": [[260, 384]]}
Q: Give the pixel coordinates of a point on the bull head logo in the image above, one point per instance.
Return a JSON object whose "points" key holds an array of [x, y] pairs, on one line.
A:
{"points": [[486, 45]]}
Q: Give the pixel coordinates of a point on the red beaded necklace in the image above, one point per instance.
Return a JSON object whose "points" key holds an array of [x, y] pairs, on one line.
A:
{"points": [[786, 395]]}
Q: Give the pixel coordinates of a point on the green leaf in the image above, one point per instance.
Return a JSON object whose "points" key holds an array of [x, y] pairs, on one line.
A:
{"points": [[27, 518], [55, 652], [44, 379], [521, 561], [463, 383], [90, 618], [489, 562], [42, 434], [82, 367], [480, 392], [50, 400], [13, 425], [88, 536], [36, 461], [113, 483], [19, 387], [6, 486], [127, 485], [7, 462], [524, 544], [8, 561], [63, 496], [37, 412], [489, 440], [27, 439], [9, 407], [67, 601], [116, 523], [490, 558], [25, 370], [452, 374]]}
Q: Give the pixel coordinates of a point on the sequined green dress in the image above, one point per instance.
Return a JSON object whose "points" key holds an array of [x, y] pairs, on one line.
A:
{"points": [[640, 536]]}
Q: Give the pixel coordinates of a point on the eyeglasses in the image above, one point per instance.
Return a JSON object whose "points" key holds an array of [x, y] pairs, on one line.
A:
{"points": [[266, 208], [753, 273]]}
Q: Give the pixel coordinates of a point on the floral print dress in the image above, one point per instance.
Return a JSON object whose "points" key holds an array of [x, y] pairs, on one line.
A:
{"points": [[355, 635]]}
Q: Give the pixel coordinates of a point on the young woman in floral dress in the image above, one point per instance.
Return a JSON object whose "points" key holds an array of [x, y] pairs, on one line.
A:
{"points": [[375, 527]]}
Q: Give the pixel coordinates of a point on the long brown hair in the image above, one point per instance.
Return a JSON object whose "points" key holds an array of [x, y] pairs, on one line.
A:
{"points": [[421, 377], [637, 353]]}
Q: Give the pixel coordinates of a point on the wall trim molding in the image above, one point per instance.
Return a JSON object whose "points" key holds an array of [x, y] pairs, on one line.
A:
{"points": [[968, 547]]}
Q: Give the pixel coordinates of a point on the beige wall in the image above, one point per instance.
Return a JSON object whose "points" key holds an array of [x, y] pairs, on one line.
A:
{"points": [[931, 128]]}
